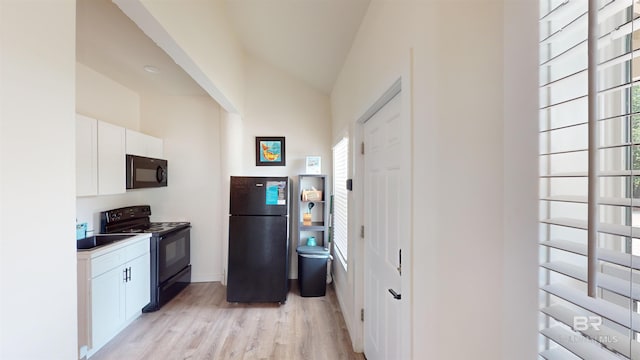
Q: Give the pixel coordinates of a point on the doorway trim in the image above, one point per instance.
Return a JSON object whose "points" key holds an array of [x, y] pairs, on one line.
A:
{"points": [[402, 86]]}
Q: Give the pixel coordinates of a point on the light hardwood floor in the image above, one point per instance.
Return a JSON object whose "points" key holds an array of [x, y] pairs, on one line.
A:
{"points": [[200, 324]]}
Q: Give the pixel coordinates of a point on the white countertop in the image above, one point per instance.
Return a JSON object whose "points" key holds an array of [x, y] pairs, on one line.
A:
{"points": [[103, 249]]}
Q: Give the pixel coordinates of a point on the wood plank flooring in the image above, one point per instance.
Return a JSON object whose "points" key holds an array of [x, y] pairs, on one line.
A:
{"points": [[200, 324]]}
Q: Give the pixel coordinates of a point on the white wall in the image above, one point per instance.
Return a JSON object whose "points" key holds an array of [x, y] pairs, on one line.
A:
{"points": [[214, 61], [380, 54], [474, 201], [520, 252], [190, 128], [278, 105], [38, 315], [195, 134], [470, 186], [231, 130], [268, 101], [102, 98]]}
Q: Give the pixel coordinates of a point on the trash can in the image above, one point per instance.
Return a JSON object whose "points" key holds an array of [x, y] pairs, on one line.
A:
{"points": [[312, 270]]}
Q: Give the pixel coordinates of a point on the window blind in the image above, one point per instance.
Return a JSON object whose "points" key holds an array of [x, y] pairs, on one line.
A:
{"points": [[589, 184], [340, 201]]}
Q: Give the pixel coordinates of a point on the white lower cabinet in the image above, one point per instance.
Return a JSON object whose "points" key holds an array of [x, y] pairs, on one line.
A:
{"points": [[113, 287], [138, 289], [107, 298]]}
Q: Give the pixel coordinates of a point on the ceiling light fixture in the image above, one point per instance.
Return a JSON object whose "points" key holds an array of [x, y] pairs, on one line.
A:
{"points": [[151, 69]]}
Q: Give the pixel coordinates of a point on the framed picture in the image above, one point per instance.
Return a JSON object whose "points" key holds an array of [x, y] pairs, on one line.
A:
{"points": [[314, 165], [270, 151]]}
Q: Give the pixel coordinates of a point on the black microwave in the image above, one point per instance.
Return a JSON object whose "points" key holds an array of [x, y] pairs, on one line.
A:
{"points": [[144, 172]]}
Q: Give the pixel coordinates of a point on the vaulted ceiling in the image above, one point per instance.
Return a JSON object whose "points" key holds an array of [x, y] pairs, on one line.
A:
{"points": [[309, 39]]}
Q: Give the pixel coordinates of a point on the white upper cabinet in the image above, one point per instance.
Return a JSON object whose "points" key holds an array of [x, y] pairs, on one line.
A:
{"points": [[86, 156], [144, 145], [111, 159], [100, 159], [100, 155]]}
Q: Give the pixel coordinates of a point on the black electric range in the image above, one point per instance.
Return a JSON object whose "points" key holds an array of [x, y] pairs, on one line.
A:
{"points": [[135, 219], [169, 247]]}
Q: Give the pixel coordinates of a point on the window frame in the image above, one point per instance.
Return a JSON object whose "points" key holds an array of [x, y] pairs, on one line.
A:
{"points": [[340, 201], [586, 257]]}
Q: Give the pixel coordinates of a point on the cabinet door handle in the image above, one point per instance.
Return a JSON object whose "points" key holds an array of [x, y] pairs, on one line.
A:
{"points": [[124, 275], [129, 277]]}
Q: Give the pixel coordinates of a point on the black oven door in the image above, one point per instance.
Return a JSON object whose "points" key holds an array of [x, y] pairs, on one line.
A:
{"points": [[144, 172], [174, 252]]}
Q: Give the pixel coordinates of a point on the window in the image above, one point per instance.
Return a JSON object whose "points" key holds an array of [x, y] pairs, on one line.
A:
{"points": [[589, 179], [340, 200]]}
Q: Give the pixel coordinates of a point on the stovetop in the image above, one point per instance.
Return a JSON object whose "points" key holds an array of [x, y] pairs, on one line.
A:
{"points": [[155, 228], [159, 228], [135, 219]]}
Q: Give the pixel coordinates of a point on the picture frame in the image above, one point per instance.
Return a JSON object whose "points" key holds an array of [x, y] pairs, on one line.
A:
{"points": [[314, 165], [270, 151]]}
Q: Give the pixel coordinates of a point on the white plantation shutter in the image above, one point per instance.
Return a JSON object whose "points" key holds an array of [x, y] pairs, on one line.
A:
{"points": [[340, 201], [589, 167]]}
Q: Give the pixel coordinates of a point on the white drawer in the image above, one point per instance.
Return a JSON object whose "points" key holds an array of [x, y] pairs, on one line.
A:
{"points": [[106, 262], [136, 249]]}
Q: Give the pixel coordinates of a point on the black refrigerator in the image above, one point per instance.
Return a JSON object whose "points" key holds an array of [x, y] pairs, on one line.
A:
{"points": [[258, 269]]}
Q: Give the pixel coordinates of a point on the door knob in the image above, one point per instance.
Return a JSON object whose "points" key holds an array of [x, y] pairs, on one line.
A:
{"points": [[395, 294]]}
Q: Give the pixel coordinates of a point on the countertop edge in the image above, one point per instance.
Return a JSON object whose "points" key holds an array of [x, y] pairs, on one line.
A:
{"points": [[101, 250]]}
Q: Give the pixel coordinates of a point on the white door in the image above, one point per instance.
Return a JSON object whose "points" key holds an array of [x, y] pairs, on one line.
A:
{"points": [[137, 285], [107, 305], [384, 207]]}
